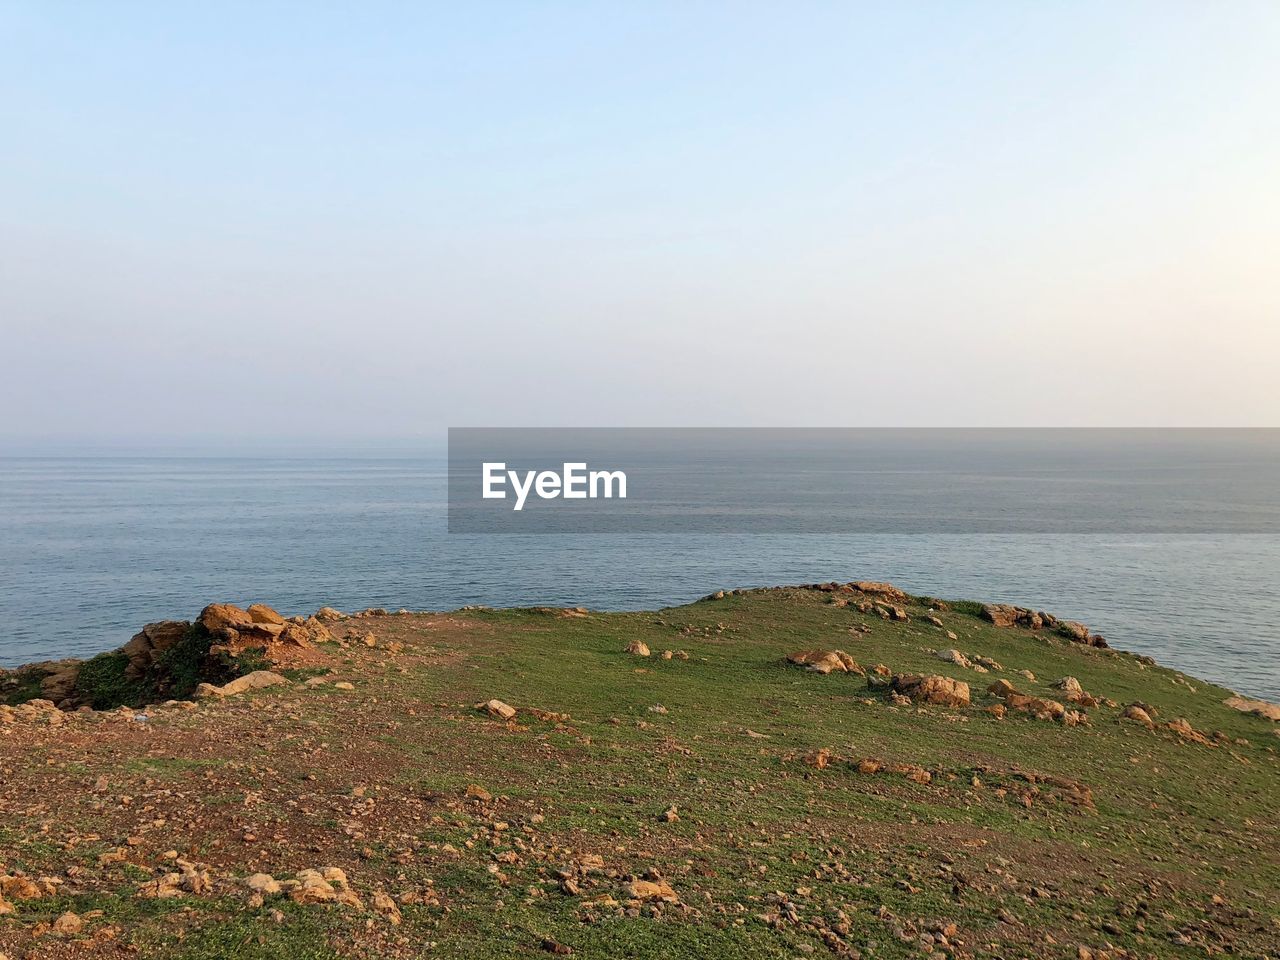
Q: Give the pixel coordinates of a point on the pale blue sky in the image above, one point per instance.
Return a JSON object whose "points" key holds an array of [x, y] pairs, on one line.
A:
{"points": [[238, 221]]}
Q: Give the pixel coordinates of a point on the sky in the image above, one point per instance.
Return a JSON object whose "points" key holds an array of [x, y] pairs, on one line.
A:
{"points": [[265, 224]]}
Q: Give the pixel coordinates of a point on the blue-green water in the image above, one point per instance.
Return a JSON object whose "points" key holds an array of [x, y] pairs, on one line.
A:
{"points": [[90, 549]]}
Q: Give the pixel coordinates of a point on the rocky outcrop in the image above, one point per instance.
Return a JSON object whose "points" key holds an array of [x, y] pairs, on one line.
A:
{"points": [[236, 630], [1270, 711], [1008, 615], [151, 641]]}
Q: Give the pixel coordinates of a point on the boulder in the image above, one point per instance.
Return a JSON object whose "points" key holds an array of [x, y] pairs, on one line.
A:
{"points": [[68, 924], [223, 619], [1069, 684], [953, 656], [250, 681], [1001, 688], [1036, 706], [943, 691], [263, 883], [1000, 614], [826, 661], [497, 709], [638, 648], [305, 633], [1138, 714], [261, 613]]}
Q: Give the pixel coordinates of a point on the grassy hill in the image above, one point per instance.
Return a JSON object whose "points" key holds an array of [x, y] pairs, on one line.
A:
{"points": [[730, 804]]}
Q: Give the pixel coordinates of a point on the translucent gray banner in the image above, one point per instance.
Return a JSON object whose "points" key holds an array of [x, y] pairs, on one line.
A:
{"points": [[836, 480]]}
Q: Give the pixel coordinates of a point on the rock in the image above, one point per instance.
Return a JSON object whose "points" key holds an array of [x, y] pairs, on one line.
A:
{"points": [[1069, 684], [1027, 675], [497, 709], [344, 685], [59, 688], [250, 681], [261, 613], [826, 661], [1036, 706], [305, 633], [1137, 714], [878, 589], [1182, 727], [1270, 711], [330, 615], [386, 907], [263, 883], [818, 759], [932, 689], [224, 620], [997, 710], [162, 888], [152, 640], [953, 656], [312, 887], [638, 648], [993, 665], [478, 793], [369, 640], [1073, 630], [195, 877], [1000, 614], [68, 925], [1001, 688], [19, 887], [648, 890]]}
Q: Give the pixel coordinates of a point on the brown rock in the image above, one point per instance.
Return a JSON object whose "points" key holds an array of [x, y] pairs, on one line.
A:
{"points": [[932, 689], [648, 890], [386, 907], [68, 925], [638, 648], [1000, 614], [497, 709], [1137, 714], [1270, 711], [152, 640], [1001, 688], [880, 589], [261, 613], [1036, 706], [826, 661], [250, 681]]}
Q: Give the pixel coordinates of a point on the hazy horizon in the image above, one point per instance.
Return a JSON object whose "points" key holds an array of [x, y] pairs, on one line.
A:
{"points": [[240, 225]]}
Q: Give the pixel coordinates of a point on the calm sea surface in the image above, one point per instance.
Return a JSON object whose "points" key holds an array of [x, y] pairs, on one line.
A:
{"points": [[90, 549]]}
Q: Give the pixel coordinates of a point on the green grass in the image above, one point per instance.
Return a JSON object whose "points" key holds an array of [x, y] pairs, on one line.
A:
{"points": [[1173, 824]]}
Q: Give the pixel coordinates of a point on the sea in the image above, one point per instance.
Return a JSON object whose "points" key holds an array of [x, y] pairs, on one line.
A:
{"points": [[92, 548]]}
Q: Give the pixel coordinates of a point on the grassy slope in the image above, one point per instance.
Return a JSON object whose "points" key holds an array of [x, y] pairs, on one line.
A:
{"points": [[868, 860]]}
